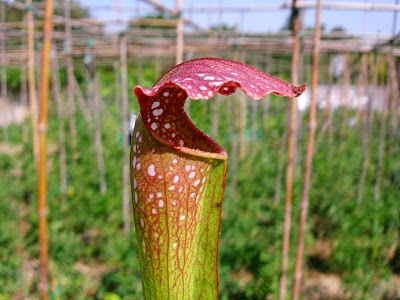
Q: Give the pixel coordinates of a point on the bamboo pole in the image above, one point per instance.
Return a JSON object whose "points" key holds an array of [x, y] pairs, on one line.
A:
{"points": [[309, 156], [32, 81], [382, 135], [396, 108], [254, 118], [83, 106], [97, 134], [215, 115], [242, 125], [351, 6], [126, 209], [265, 110], [157, 62], [242, 118], [365, 127], [61, 126], [179, 43], [346, 90], [281, 161], [70, 76], [24, 102], [393, 103], [329, 112], [139, 69], [117, 87], [292, 132], [42, 176], [234, 162], [265, 101], [3, 70], [84, 22], [179, 32]]}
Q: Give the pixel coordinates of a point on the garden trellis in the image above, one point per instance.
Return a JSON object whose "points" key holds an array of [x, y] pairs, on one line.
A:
{"points": [[363, 95]]}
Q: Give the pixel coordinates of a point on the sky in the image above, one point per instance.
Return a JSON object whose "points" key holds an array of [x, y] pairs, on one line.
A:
{"points": [[255, 21]]}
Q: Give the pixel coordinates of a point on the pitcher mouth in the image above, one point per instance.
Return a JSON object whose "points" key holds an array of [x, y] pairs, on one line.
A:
{"points": [[162, 106], [163, 115]]}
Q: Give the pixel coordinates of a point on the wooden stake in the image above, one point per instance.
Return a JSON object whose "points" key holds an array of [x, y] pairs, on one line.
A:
{"points": [[215, 115], [266, 100], [281, 160], [179, 32], [126, 209], [117, 87], [97, 135], [242, 112], [3, 70], [346, 89], [70, 76], [265, 110], [139, 69], [393, 103], [242, 125], [290, 152], [382, 135], [157, 62], [83, 106], [365, 128], [24, 102], [309, 155], [42, 176], [61, 127], [32, 81]]}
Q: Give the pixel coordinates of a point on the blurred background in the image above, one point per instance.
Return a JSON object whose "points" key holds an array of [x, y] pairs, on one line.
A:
{"points": [[101, 49]]}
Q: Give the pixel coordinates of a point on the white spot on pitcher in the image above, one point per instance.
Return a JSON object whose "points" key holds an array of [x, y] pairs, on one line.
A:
{"points": [[151, 170], [158, 112], [155, 104], [154, 126]]}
